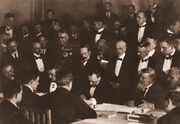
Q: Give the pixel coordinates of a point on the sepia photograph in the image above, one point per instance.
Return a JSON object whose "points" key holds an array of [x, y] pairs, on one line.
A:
{"points": [[89, 61]]}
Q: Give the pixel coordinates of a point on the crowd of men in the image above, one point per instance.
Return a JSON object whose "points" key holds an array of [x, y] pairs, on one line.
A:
{"points": [[134, 62]]}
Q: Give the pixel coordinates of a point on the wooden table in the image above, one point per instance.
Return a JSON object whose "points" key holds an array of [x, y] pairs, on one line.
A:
{"points": [[120, 116]]}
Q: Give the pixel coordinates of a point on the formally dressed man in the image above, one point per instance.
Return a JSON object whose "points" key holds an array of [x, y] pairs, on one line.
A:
{"points": [[25, 39], [29, 98], [7, 75], [120, 68], [148, 93], [83, 64], [108, 16], [38, 31], [14, 57], [69, 107], [98, 88], [9, 110], [100, 32], [36, 63], [170, 58], [9, 25]]}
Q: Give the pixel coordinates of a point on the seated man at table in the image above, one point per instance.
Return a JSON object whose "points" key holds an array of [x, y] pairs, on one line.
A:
{"points": [[148, 93], [173, 107], [9, 112], [65, 106], [98, 88], [29, 98]]}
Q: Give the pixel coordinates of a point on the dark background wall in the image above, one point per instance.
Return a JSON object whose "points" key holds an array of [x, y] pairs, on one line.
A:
{"points": [[30, 10]]}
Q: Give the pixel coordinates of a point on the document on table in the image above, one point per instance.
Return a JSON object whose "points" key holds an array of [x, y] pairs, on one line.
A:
{"points": [[120, 108]]}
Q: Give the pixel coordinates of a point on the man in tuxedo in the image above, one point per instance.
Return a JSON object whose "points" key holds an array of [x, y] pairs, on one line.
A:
{"points": [[108, 16], [172, 30], [169, 59], [13, 56], [83, 64], [148, 93], [9, 110], [98, 88], [29, 98], [101, 32], [69, 107], [9, 25], [36, 63], [38, 31], [120, 68]]}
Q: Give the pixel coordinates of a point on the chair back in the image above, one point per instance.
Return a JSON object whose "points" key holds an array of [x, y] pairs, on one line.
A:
{"points": [[36, 116]]}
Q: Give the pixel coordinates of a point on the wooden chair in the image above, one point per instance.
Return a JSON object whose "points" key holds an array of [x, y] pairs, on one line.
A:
{"points": [[36, 116]]}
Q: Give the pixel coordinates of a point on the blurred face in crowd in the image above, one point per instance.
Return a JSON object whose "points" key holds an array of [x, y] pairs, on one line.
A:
{"points": [[4, 38], [12, 47], [98, 25], [67, 81], [145, 79], [73, 29], [101, 46], [141, 19], [34, 83], [85, 53], [50, 15], [94, 79], [63, 38], [10, 21], [56, 26], [152, 43], [8, 72], [107, 6], [117, 24], [52, 74], [86, 24], [43, 41], [143, 52], [25, 29], [37, 28], [174, 78], [36, 48], [178, 44], [176, 27], [166, 48], [131, 9], [120, 48]]}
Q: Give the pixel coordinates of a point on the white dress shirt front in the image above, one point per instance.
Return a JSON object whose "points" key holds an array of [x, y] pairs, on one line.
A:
{"points": [[143, 63], [141, 32], [119, 64], [167, 62], [98, 36], [39, 63], [92, 89]]}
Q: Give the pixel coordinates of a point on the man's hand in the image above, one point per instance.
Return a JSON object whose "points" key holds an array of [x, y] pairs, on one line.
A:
{"points": [[131, 103], [146, 105]]}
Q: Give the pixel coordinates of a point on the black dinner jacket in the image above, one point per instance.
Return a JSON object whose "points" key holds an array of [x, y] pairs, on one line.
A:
{"points": [[156, 95], [127, 70], [173, 117], [66, 107], [29, 99], [30, 63], [2, 29], [106, 34], [10, 114], [102, 92]]}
